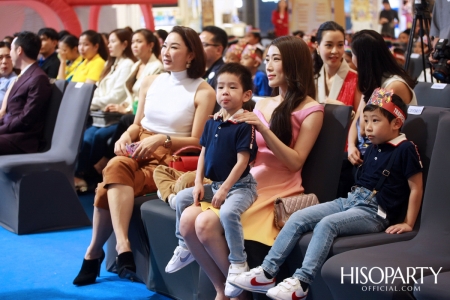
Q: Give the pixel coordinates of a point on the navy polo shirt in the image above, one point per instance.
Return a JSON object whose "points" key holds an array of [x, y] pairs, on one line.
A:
{"points": [[394, 193], [222, 142]]}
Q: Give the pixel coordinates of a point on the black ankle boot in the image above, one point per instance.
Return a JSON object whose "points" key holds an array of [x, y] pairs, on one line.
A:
{"points": [[90, 269], [126, 268]]}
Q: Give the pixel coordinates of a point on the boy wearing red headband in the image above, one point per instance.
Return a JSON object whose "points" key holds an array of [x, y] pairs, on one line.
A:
{"points": [[251, 59], [373, 204]]}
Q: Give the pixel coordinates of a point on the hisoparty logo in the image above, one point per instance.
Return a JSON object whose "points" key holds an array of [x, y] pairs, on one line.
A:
{"points": [[383, 279]]}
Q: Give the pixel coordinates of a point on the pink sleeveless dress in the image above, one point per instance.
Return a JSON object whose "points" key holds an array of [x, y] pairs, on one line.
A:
{"points": [[274, 180]]}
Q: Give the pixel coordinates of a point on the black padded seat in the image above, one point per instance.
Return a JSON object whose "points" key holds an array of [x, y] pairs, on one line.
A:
{"points": [[138, 240], [433, 287], [429, 248], [37, 189], [159, 223], [426, 96], [421, 129]]}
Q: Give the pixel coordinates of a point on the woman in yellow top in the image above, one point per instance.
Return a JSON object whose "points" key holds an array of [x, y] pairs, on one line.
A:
{"points": [[93, 50], [69, 57]]}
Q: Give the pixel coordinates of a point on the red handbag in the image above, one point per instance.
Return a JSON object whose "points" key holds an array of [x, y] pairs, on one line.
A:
{"points": [[185, 159]]}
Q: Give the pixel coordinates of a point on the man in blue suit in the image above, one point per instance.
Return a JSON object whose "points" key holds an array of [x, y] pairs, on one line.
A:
{"points": [[27, 99]]}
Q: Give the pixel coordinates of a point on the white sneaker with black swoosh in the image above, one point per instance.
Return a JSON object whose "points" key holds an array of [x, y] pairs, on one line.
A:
{"points": [[180, 259]]}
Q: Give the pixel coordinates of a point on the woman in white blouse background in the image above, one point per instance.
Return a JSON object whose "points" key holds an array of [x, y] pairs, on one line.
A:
{"points": [[146, 48], [110, 90]]}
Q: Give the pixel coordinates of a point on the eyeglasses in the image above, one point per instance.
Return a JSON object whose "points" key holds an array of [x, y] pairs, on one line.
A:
{"points": [[205, 45]]}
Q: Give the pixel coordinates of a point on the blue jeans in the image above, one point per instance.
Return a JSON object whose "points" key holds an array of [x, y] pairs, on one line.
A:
{"points": [[94, 146], [356, 214], [239, 198]]}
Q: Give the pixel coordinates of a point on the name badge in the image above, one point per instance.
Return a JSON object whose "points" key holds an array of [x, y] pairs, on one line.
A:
{"points": [[381, 212], [439, 86], [415, 110]]}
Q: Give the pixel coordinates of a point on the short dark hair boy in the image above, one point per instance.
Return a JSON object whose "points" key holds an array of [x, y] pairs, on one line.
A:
{"points": [[227, 148]]}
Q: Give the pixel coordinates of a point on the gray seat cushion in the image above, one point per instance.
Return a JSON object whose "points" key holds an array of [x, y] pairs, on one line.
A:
{"points": [[429, 248], [37, 189]]}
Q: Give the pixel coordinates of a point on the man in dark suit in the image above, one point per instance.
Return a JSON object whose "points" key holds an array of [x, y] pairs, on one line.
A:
{"points": [[27, 99], [49, 62]]}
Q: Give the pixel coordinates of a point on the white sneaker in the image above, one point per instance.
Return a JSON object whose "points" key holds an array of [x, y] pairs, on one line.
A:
{"points": [[289, 289], [158, 193], [172, 201], [180, 259], [253, 281], [234, 270]]}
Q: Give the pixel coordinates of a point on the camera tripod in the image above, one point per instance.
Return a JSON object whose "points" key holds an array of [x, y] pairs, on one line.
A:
{"points": [[423, 14]]}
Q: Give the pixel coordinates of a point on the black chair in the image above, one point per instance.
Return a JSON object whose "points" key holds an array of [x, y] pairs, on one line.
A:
{"points": [[159, 223], [138, 240], [415, 66], [422, 130], [429, 248], [58, 88], [37, 189], [426, 96], [433, 287], [322, 167]]}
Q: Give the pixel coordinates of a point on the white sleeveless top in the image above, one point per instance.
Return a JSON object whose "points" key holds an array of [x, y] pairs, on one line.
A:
{"points": [[389, 80], [169, 104]]}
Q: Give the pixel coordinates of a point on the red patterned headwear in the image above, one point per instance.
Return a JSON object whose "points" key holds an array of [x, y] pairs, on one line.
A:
{"points": [[250, 50], [383, 98], [236, 50]]}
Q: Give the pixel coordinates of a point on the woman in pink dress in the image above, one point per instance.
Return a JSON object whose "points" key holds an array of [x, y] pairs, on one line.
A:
{"points": [[287, 128]]}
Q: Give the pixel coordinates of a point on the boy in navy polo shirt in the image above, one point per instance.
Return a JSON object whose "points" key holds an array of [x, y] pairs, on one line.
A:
{"points": [[227, 149], [371, 206]]}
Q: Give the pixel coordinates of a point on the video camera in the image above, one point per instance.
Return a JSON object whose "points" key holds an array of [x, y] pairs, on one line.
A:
{"points": [[442, 54], [422, 5]]}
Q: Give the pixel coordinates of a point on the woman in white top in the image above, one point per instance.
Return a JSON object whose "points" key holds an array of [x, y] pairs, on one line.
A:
{"points": [[336, 82], [377, 67], [146, 49], [173, 109], [110, 90]]}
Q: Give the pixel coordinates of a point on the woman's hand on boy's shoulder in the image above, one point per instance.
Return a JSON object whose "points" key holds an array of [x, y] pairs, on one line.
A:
{"points": [[399, 228], [252, 119]]}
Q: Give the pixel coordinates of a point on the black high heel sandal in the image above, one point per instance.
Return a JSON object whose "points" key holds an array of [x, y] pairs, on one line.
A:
{"points": [[90, 269], [126, 268]]}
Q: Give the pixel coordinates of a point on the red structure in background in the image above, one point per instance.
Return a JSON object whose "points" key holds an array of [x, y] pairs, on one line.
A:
{"points": [[51, 11]]}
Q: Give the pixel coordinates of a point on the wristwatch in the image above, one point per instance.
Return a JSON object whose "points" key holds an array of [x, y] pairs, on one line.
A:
{"points": [[168, 142]]}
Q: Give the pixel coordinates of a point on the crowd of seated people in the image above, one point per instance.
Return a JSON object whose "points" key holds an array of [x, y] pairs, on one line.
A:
{"points": [[166, 86]]}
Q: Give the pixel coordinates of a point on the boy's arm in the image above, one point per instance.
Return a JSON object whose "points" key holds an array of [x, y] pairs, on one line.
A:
{"points": [[239, 168], [415, 183], [354, 156], [199, 190]]}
